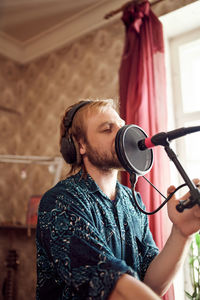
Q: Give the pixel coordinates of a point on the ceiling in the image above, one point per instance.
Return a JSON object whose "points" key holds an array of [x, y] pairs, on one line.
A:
{"points": [[25, 19], [30, 28]]}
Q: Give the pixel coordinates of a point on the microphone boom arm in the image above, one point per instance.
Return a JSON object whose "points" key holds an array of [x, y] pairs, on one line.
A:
{"points": [[194, 191]]}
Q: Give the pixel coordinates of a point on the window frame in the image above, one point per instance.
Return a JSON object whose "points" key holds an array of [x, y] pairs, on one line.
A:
{"points": [[179, 118]]}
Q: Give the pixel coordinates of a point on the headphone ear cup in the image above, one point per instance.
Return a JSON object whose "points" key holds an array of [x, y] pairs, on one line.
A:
{"points": [[68, 150]]}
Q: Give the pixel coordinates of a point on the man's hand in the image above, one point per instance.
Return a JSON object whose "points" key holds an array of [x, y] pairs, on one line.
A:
{"points": [[188, 221], [163, 268]]}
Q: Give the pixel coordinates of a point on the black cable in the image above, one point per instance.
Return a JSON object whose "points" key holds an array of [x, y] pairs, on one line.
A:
{"points": [[154, 187], [133, 179]]}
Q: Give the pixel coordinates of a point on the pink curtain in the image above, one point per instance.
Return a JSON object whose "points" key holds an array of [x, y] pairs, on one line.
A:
{"points": [[143, 102]]}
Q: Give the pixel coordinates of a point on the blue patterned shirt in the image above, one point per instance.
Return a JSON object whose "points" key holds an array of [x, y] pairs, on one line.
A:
{"points": [[85, 241]]}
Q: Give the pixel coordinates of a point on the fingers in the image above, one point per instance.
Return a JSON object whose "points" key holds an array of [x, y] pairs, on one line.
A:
{"points": [[170, 189], [196, 180], [197, 212], [188, 222]]}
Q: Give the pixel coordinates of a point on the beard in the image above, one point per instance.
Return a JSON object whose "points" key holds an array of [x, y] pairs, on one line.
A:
{"points": [[105, 161]]}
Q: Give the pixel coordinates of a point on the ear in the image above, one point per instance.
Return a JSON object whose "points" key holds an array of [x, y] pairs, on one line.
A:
{"points": [[82, 147]]}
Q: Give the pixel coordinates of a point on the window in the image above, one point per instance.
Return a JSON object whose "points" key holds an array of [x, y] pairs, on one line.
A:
{"points": [[186, 97], [185, 70]]}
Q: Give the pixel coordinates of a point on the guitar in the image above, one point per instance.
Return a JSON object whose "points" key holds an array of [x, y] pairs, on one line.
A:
{"points": [[9, 287]]}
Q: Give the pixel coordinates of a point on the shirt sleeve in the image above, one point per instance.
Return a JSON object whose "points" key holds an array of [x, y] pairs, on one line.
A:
{"points": [[74, 246]]}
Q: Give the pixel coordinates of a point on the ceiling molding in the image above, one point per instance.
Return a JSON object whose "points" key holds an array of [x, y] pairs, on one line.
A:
{"points": [[10, 47], [81, 23], [59, 35]]}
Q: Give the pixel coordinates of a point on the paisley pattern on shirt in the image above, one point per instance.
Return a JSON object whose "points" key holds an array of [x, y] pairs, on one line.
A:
{"points": [[85, 241]]}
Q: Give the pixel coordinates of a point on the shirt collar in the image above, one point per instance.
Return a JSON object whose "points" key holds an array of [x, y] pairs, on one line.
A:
{"points": [[88, 183]]}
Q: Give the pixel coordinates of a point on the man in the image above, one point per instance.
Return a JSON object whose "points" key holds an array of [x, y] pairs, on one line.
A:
{"points": [[92, 242]]}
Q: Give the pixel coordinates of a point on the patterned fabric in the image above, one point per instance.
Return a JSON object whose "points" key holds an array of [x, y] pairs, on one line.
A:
{"points": [[85, 241]]}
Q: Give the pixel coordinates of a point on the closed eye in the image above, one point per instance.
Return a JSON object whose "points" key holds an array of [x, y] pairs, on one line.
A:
{"points": [[107, 130], [108, 127]]}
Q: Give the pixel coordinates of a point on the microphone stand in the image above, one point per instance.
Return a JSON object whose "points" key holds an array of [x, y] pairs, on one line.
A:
{"points": [[194, 191]]}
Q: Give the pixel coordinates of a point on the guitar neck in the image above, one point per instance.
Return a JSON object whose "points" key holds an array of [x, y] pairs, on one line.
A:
{"points": [[9, 288], [10, 291]]}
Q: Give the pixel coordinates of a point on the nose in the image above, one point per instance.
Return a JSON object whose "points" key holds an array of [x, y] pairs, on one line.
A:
{"points": [[119, 125], [117, 128]]}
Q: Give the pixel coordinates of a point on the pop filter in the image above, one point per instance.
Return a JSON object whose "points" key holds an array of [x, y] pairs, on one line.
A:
{"points": [[130, 156]]}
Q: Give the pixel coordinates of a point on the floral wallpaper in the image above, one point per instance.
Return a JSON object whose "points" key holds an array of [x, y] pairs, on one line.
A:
{"points": [[39, 92]]}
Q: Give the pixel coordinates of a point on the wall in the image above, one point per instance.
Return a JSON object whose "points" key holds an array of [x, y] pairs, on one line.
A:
{"points": [[40, 91]]}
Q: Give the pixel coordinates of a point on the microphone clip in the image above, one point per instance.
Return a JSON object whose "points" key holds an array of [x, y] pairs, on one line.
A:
{"points": [[188, 203]]}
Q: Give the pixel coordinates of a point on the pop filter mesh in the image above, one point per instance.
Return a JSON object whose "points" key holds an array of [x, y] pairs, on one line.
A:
{"points": [[130, 156]]}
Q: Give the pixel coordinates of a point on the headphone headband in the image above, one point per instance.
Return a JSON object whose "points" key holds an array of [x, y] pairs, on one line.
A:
{"points": [[70, 115]]}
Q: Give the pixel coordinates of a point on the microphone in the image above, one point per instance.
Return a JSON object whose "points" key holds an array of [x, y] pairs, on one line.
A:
{"points": [[162, 138], [131, 140]]}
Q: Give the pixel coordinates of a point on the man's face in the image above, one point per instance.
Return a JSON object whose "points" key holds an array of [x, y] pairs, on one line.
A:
{"points": [[99, 147]]}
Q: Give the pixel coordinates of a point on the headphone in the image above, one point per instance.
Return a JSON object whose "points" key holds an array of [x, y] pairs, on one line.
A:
{"points": [[69, 147]]}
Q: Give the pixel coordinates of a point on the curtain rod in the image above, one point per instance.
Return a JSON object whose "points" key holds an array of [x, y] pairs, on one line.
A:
{"points": [[42, 160], [120, 9]]}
